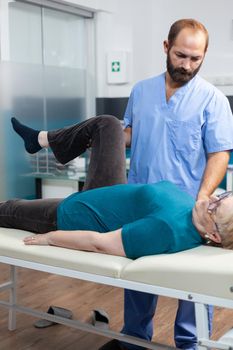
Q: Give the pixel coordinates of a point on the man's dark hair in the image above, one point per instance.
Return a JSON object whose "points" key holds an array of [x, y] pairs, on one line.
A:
{"points": [[186, 23]]}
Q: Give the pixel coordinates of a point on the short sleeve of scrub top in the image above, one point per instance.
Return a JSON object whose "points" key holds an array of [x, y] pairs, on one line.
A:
{"points": [[218, 130]]}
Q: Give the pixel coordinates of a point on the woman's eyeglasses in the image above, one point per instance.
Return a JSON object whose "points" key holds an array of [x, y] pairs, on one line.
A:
{"points": [[220, 196]]}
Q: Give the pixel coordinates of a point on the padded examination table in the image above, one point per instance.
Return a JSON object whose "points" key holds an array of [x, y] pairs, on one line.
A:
{"points": [[203, 275]]}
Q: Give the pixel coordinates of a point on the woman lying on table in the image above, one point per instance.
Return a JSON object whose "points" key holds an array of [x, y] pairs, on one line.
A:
{"points": [[116, 218]]}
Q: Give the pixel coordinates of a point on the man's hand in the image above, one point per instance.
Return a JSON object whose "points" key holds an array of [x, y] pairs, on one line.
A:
{"points": [[202, 218], [214, 172]]}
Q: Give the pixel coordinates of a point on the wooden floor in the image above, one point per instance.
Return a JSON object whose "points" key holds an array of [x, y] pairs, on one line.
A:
{"points": [[39, 290]]}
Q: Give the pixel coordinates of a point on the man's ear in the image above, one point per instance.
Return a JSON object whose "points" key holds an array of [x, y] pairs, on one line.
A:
{"points": [[165, 46], [215, 237]]}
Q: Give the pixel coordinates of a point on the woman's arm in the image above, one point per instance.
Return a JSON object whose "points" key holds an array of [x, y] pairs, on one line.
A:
{"points": [[107, 243]]}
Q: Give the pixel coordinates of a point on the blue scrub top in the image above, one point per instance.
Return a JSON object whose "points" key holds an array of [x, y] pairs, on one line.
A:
{"points": [[170, 140]]}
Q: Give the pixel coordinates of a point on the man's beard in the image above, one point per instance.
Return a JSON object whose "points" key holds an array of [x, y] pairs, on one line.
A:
{"points": [[180, 75]]}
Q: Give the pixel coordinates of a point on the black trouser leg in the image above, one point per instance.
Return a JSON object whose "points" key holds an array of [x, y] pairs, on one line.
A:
{"points": [[106, 137], [38, 215]]}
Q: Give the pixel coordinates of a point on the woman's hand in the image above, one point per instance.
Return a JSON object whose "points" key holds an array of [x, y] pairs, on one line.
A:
{"points": [[37, 239]]}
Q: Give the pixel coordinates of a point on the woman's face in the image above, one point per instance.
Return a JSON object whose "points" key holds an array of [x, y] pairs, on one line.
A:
{"points": [[225, 206], [221, 206]]}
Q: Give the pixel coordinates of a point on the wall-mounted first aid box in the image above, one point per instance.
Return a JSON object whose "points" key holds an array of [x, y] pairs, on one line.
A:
{"points": [[118, 67]]}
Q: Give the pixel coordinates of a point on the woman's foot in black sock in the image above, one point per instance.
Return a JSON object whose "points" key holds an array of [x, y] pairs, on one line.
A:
{"points": [[30, 136]]}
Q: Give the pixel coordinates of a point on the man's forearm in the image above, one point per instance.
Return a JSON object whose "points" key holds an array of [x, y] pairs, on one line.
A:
{"points": [[128, 133], [215, 170]]}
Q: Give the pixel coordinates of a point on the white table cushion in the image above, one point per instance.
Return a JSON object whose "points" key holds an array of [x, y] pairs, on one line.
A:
{"points": [[204, 270], [11, 245]]}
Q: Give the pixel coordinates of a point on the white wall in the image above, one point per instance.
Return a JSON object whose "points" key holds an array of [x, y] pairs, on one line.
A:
{"points": [[140, 26], [160, 14], [4, 32]]}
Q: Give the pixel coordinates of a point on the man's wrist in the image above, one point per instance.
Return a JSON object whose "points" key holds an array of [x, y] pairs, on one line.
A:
{"points": [[203, 196]]}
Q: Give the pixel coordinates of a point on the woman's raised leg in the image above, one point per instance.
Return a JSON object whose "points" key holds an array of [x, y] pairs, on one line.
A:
{"points": [[104, 134]]}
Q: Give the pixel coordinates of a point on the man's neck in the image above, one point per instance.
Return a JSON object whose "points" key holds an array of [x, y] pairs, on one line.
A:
{"points": [[171, 86]]}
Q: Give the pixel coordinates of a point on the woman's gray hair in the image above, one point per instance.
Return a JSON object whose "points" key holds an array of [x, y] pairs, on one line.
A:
{"points": [[224, 224]]}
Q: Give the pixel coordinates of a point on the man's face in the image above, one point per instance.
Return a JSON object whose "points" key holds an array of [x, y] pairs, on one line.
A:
{"points": [[186, 55]]}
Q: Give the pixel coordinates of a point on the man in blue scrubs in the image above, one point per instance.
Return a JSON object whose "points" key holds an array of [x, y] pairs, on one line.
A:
{"points": [[180, 128]]}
